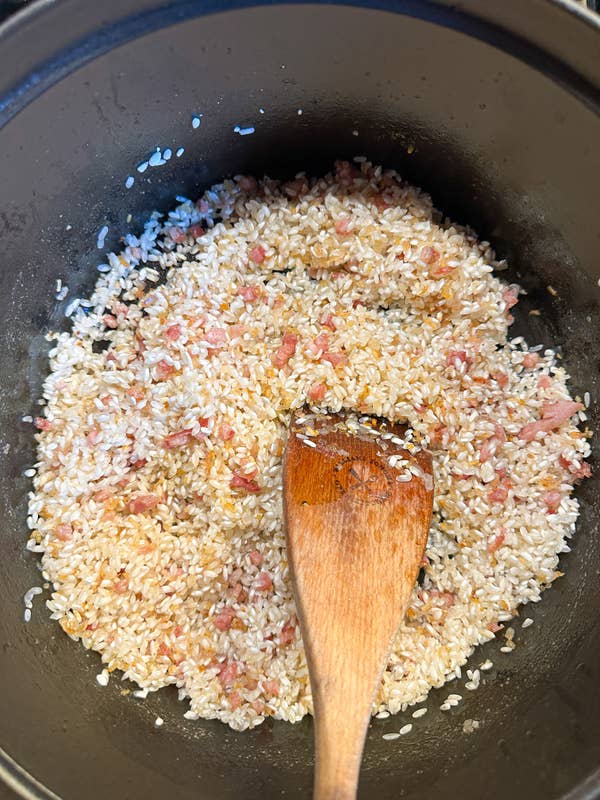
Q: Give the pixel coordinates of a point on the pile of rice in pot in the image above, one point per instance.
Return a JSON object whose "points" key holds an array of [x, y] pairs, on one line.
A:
{"points": [[158, 502]]}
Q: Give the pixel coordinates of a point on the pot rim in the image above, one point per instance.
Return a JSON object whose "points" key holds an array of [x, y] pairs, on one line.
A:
{"points": [[75, 33]]}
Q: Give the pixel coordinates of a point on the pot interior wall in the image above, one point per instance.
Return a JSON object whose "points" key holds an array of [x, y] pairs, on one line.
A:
{"points": [[501, 147]]}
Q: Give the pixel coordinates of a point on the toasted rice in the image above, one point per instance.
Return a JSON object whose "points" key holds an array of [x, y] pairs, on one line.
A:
{"points": [[194, 591]]}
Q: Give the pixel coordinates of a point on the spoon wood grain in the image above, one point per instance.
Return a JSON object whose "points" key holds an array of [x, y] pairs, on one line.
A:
{"points": [[356, 529]]}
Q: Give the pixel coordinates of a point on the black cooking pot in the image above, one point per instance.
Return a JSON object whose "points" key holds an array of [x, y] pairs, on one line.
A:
{"points": [[494, 109]]}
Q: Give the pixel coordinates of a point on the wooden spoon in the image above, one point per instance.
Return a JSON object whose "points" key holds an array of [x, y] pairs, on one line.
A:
{"points": [[356, 529]]}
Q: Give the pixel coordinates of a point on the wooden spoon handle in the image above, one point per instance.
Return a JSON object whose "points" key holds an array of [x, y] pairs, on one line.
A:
{"points": [[348, 634], [339, 754], [343, 703]]}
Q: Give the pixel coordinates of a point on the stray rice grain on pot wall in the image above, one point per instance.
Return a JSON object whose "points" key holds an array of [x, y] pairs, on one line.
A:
{"points": [[158, 489]]}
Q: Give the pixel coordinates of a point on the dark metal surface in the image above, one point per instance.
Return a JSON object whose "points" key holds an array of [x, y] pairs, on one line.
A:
{"points": [[8, 7], [500, 122]]}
